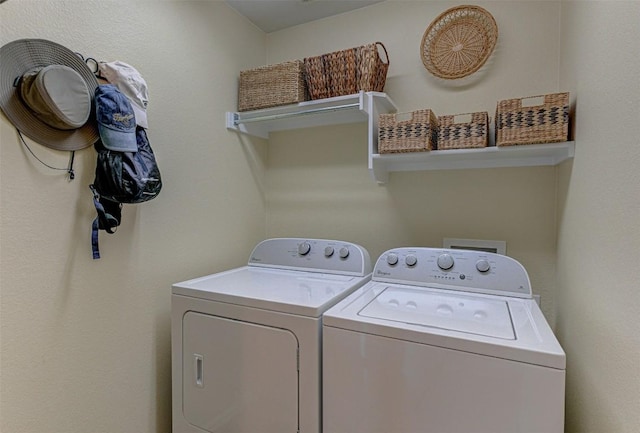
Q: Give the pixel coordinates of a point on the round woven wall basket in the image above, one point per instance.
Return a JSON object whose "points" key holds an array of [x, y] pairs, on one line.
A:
{"points": [[458, 42]]}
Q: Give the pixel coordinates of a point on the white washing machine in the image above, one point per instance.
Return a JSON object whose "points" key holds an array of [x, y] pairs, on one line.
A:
{"points": [[442, 341], [246, 343]]}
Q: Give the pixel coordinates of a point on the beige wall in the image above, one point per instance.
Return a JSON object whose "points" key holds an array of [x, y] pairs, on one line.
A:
{"points": [[318, 183], [85, 345], [599, 218], [582, 217]]}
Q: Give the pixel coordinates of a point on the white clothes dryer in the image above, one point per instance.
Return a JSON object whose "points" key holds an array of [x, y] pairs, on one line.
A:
{"points": [[246, 343], [442, 341]]}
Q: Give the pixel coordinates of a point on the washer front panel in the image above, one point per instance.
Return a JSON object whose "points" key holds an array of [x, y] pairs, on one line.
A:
{"points": [[374, 384]]}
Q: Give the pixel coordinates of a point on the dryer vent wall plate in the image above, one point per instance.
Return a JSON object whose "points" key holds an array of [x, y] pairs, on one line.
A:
{"points": [[498, 247]]}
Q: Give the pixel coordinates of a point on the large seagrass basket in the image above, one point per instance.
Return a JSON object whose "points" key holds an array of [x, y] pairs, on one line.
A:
{"points": [[415, 131], [272, 85], [520, 123], [463, 131], [346, 72]]}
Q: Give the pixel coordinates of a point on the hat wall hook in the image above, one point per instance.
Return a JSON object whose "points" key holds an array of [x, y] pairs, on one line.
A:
{"points": [[93, 65]]}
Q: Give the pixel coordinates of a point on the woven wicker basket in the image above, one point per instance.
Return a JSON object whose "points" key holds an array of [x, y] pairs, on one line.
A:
{"points": [[346, 72], [418, 133], [458, 42], [456, 133], [545, 123], [271, 86]]}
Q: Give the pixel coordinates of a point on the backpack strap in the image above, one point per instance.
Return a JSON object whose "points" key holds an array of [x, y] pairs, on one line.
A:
{"points": [[108, 219]]}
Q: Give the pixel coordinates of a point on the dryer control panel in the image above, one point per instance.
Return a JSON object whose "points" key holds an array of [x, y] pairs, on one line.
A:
{"points": [[461, 270], [313, 255]]}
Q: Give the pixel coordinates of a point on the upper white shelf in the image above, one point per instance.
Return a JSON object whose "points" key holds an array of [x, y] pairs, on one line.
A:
{"points": [[359, 107], [488, 157]]}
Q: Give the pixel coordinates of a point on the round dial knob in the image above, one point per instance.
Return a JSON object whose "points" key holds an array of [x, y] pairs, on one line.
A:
{"points": [[328, 251], [392, 259], [483, 265], [445, 261], [411, 260], [304, 248], [344, 252]]}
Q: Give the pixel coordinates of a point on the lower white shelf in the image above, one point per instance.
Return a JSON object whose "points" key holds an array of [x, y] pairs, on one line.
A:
{"points": [[488, 157]]}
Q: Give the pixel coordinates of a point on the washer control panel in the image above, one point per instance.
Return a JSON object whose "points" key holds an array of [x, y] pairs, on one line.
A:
{"points": [[461, 270], [315, 255]]}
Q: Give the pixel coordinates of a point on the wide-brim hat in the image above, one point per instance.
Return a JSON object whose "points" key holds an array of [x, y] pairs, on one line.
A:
{"points": [[22, 55]]}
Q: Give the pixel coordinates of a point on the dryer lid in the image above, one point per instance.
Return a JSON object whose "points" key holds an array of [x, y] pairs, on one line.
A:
{"points": [[463, 313], [285, 291]]}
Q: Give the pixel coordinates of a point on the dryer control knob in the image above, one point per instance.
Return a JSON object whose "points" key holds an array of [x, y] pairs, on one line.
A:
{"points": [[304, 248], [411, 260], [344, 252], [328, 251], [392, 259], [445, 261], [483, 265]]}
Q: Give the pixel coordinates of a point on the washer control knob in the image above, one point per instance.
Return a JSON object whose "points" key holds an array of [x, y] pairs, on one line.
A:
{"points": [[483, 265], [328, 251], [445, 261], [411, 260], [392, 259], [304, 248], [344, 252]]}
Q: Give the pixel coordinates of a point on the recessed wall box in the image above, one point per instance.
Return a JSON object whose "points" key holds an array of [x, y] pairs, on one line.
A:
{"points": [[499, 247]]}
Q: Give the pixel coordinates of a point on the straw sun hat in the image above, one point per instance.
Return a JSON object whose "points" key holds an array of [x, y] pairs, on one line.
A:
{"points": [[61, 67]]}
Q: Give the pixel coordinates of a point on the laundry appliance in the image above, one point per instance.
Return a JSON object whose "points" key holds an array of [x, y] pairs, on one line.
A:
{"points": [[442, 341], [246, 343]]}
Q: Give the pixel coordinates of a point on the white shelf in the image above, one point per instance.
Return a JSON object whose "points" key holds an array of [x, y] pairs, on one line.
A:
{"points": [[359, 107], [489, 157]]}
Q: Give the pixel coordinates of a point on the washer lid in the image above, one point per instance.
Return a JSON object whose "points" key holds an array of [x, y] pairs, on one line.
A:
{"points": [[473, 315], [534, 341]]}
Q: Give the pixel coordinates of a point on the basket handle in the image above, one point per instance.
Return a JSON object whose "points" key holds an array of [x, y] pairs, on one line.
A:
{"points": [[462, 118], [533, 101], [404, 117], [386, 54]]}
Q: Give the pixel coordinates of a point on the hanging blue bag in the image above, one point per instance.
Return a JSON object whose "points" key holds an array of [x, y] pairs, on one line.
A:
{"points": [[126, 168]]}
